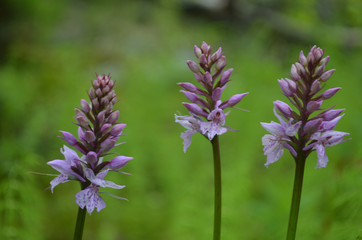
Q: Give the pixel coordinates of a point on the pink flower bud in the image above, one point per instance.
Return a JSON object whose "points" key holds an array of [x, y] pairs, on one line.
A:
{"points": [[85, 106], [196, 109], [332, 114], [312, 126], [190, 96], [99, 92], [101, 116], [313, 106], [205, 48], [193, 66], [197, 51], [117, 129], [113, 117], [203, 60], [283, 108], [316, 87], [89, 136], [285, 88], [225, 77], [119, 162], [302, 59], [326, 75], [216, 55], [188, 86], [220, 64], [294, 73], [95, 103], [216, 94], [69, 138], [96, 84], [235, 99], [91, 158], [107, 145], [330, 93], [82, 121], [208, 79], [105, 128]]}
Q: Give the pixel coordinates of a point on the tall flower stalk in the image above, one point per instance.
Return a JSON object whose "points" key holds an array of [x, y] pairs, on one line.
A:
{"points": [[206, 110], [98, 133], [305, 127]]}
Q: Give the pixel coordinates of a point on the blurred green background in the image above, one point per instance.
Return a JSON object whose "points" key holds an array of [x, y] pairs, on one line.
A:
{"points": [[49, 53]]}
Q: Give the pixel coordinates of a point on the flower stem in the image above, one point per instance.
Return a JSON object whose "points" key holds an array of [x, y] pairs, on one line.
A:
{"points": [[217, 185], [78, 232], [297, 193]]}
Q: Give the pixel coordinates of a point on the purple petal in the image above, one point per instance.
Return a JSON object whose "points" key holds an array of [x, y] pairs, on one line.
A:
{"points": [[186, 136], [90, 199], [322, 156], [274, 156], [70, 155], [62, 178], [119, 162], [274, 128]]}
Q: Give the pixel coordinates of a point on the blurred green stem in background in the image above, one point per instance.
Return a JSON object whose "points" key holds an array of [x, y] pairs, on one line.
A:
{"points": [[217, 184], [78, 232], [297, 193]]}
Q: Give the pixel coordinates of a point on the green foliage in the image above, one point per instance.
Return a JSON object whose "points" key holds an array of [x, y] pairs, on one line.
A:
{"points": [[48, 70]]}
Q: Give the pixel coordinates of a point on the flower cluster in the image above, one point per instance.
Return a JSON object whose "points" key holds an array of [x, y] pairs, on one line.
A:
{"points": [[306, 129], [207, 114], [98, 133]]}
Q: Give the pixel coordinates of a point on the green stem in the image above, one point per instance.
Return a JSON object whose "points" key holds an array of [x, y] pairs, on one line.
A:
{"points": [[217, 185], [297, 193], [78, 232]]}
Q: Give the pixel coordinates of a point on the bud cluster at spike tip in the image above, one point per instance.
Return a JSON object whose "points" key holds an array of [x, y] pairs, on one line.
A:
{"points": [[305, 129], [206, 109], [98, 133]]}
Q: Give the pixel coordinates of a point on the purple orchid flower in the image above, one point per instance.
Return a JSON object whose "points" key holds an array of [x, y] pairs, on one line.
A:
{"points": [[98, 133], [89, 197], [206, 110], [303, 91], [281, 134]]}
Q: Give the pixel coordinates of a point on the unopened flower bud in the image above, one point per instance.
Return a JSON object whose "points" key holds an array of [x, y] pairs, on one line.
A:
{"points": [[220, 64], [193, 66], [316, 87], [196, 109], [91, 158], [188, 86], [89, 136], [105, 128], [312, 126], [105, 101], [92, 94], [205, 48], [113, 117], [332, 114], [225, 77], [85, 106], [302, 59], [313, 106], [285, 88], [235, 99], [95, 103], [216, 55], [203, 60], [106, 90], [326, 75], [99, 92], [190, 96], [101, 116], [216, 94], [197, 51], [69, 138], [82, 121], [294, 73], [118, 162], [283, 108], [107, 145], [300, 69], [96, 84], [318, 53], [324, 61], [117, 129], [318, 71], [208, 79], [330, 93]]}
